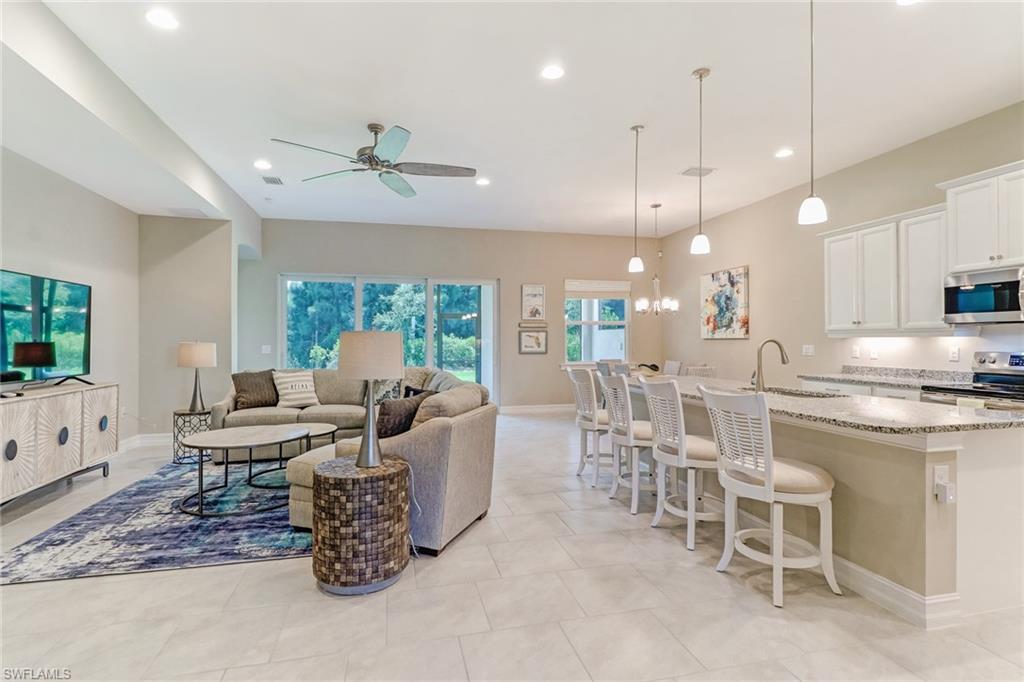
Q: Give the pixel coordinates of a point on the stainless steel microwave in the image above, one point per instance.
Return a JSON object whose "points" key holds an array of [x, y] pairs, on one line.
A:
{"points": [[985, 297]]}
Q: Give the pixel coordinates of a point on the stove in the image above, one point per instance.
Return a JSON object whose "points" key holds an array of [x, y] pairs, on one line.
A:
{"points": [[998, 380]]}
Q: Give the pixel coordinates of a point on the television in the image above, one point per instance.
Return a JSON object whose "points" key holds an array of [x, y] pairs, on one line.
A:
{"points": [[44, 309]]}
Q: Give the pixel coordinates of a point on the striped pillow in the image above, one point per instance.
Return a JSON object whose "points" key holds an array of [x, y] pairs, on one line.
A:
{"points": [[295, 389]]}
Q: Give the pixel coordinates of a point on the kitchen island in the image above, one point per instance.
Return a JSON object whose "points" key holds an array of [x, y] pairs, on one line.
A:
{"points": [[894, 542]]}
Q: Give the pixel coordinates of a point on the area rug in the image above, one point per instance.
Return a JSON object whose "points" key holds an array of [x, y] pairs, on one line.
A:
{"points": [[140, 528]]}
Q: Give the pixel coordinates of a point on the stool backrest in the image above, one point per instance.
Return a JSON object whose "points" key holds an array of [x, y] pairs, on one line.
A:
{"points": [[584, 392], [701, 371], [673, 367], [667, 424], [743, 433], [604, 368], [616, 400], [620, 368]]}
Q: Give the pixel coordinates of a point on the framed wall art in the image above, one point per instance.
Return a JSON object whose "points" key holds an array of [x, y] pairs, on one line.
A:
{"points": [[533, 341], [533, 302]]}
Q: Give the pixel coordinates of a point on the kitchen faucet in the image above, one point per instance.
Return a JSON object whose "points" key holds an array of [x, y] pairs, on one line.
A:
{"points": [[759, 374]]}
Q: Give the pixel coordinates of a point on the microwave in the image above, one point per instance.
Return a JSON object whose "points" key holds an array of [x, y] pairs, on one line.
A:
{"points": [[984, 297]]}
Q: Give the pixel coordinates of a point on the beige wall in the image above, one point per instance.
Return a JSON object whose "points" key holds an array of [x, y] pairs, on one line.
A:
{"points": [[786, 262], [54, 227], [513, 258], [185, 276]]}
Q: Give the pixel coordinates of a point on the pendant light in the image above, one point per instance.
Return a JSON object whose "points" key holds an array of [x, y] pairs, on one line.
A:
{"points": [[700, 246], [636, 263], [812, 210], [660, 304]]}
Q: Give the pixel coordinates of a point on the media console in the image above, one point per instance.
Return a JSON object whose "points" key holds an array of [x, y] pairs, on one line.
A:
{"points": [[56, 432]]}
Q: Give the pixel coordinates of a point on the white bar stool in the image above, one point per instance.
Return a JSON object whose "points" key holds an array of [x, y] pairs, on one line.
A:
{"points": [[701, 371], [625, 433], [747, 467], [672, 368], [591, 420], [674, 449]]}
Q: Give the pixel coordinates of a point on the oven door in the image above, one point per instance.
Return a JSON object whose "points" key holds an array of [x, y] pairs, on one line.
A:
{"points": [[984, 297]]}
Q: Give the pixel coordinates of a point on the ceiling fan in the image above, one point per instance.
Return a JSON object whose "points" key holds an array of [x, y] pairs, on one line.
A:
{"points": [[381, 156]]}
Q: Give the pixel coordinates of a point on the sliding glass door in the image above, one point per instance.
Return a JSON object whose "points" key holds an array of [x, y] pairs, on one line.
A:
{"points": [[398, 307]]}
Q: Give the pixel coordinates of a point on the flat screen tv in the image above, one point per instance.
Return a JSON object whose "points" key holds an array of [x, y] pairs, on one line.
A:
{"points": [[44, 309]]}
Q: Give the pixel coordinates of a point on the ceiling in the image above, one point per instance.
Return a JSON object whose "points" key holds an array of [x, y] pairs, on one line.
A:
{"points": [[464, 79]]}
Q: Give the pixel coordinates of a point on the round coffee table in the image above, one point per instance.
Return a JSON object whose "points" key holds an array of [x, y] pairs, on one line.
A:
{"points": [[316, 430], [240, 438]]}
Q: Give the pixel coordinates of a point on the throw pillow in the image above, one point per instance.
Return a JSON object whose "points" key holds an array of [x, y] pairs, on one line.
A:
{"points": [[411, 391], [295, 389], [254, 389], [396, 416]]}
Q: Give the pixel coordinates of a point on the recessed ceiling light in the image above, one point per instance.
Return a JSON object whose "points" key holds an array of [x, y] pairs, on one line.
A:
{"points": [[483, 182], [261, 164], [783, 152], [552, 72], [162, 18]]}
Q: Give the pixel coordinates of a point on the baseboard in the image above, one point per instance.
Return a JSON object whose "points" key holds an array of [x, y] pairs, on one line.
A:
{"points": [[558, 409], [931, 613], [144, 440]]}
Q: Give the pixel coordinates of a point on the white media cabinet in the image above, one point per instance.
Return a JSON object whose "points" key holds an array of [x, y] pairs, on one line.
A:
{"points": [[55, 432]]}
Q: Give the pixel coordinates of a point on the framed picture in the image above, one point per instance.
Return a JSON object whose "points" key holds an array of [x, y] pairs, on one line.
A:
{"points": [[533, 302], [725, 304], [533, 341]]}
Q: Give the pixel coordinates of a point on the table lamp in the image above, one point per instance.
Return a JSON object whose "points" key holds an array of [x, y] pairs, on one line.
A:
{"points": [[371, 357], [197, 354]]}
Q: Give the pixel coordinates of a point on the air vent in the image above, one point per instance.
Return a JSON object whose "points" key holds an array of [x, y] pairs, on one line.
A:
{"points": [[695, 172], [272, 180], [187, 213]]}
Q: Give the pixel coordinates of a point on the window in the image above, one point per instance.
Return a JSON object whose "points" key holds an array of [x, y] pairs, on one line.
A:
{"points": [[596, 329], [316, 312], [402, 308]]}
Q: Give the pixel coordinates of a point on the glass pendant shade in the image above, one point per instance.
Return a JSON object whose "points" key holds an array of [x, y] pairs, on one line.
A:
{"points": [[812, 211], [642, 305], [636, 264], [700, 246]]}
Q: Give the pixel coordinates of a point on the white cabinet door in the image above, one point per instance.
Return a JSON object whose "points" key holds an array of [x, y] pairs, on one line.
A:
{"points": [[841, 283], [973, 225], [1011, 219], [898, 393], [922, 271], [18, 453], [878, 278], [837, 388]]}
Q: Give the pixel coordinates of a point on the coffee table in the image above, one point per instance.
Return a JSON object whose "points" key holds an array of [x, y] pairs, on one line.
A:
{"points": [[316, 430], [243, 438]]}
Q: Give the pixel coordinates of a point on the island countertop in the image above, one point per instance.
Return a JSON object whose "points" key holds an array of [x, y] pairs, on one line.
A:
{"points": [[867, 413]]}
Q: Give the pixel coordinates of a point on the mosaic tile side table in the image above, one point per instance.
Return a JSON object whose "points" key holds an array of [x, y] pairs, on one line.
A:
{"points": [[187, 423], [360, 525]]}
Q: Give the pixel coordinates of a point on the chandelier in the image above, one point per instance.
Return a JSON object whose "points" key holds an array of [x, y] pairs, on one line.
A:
{"points": [[659, 304]]}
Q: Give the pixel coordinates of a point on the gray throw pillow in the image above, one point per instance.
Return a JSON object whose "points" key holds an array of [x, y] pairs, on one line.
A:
{"points": [[254, 389], [396, 416]]}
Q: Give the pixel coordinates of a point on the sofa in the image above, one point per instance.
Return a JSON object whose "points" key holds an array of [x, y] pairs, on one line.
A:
{"points": [[451, 457]]}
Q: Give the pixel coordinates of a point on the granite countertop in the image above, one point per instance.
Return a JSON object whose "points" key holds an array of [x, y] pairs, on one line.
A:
{"points": [[895, 377], [869, 413]]}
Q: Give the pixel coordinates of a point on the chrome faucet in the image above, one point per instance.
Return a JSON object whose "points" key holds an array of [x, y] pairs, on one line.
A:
{"points": [[759, 374]]}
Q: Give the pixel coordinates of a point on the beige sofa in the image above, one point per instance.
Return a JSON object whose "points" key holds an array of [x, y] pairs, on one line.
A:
{"points": [[451, 458]]}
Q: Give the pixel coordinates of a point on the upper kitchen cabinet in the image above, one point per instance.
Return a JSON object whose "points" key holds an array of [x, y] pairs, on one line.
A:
{"points": [[922, 271], [861, 280], [986, 219]]}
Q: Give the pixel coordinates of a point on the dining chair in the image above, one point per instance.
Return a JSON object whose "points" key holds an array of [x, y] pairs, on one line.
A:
{"points": [[701, 371], [604, 368], [628, 433], [748, 467], [590, 418], [621, 368], [672, 367]]}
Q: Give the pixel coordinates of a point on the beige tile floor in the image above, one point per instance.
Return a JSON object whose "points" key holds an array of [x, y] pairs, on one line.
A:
{"points": [[557, 583]]}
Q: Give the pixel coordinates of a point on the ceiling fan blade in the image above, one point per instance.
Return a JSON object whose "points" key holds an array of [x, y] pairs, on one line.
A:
{"points": [[436, 169], [390, 145], [333, 173], [397, 183], [315, 149]]}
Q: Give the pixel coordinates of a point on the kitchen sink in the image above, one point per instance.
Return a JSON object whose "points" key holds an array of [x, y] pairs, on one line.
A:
{"points": [[797, 392]]}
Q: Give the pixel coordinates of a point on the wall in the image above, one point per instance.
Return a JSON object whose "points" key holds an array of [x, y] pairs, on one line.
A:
{"points": [[786, 261], [53, 227], [513, 258], [185, 293]]}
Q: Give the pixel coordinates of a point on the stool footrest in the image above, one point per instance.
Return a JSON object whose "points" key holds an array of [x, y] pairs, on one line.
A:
{"points": [[676, 505], [809, 558]]}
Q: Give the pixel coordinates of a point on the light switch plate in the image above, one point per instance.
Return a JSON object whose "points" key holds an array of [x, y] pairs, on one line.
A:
{"points": [[874, 354], [855, 352], [954, 353], [265, 350], [808, 350]]}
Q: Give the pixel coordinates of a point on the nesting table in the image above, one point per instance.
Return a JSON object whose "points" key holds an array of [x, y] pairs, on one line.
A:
{"points": [[247, 438]]}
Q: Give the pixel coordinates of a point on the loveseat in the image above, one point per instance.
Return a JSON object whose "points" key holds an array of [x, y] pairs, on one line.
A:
{"points": [[450, 451]]}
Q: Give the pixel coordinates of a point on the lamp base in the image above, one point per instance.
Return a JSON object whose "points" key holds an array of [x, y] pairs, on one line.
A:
{"points": [[197, 396], [369, 447]]}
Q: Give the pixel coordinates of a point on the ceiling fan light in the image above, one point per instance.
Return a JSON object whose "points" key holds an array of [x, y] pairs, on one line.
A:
{"points": [[700, 245], [636, 264], [812, 211]]}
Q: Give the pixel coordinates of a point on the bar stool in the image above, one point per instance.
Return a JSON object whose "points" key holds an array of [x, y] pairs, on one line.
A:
{"points": [[621, 368], [591, 420], [672, 367], [747, 467], [625, 433], [701, 371], [674, 449]]}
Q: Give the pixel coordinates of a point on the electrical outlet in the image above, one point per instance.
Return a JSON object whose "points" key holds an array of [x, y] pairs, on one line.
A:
{"points": [[941, 474], [874, 354], [808, 350], [954, 353], [265, 350], [855, 352]]}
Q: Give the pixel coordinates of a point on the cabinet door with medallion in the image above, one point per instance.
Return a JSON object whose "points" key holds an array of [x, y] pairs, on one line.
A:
{"points": [[99, 424], [18, 455], [59, 438]]}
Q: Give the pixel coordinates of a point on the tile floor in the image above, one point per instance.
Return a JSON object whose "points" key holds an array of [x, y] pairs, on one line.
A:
{"points": [[557, 583]]}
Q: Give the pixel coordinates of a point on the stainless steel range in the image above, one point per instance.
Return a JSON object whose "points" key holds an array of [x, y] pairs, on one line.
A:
{"points": [[998, 380]]}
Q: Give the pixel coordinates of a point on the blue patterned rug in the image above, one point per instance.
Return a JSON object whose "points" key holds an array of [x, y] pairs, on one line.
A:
{"points": [[140, 528]]}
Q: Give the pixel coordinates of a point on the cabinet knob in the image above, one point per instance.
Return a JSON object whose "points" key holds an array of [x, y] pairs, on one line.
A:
{"points": [[991, 257], [11, 450], [63, 436], [104, 423], [999, 256]]}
